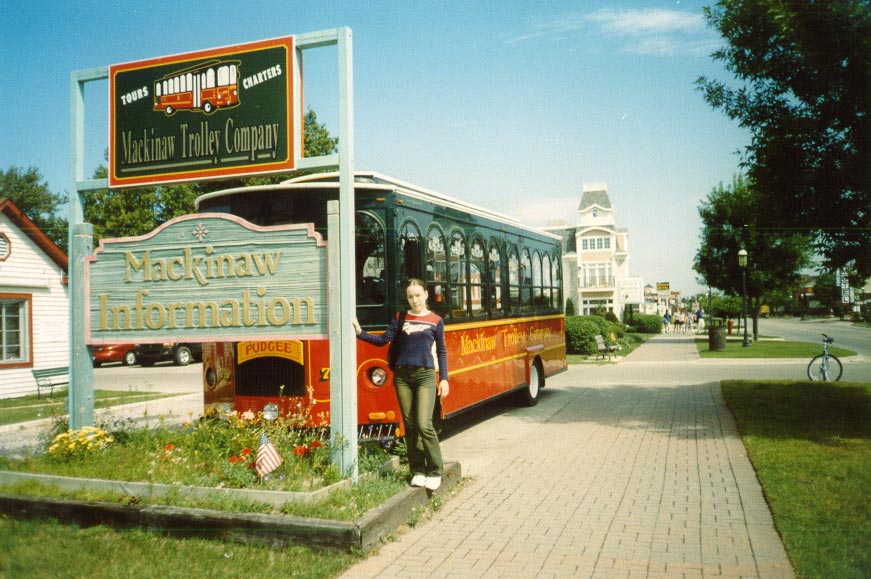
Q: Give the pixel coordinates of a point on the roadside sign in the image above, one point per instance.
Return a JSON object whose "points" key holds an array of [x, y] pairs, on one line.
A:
{"points": [[223, 112], [208, 277]]}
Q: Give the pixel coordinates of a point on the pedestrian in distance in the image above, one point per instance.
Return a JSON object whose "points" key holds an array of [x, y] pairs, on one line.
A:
{"points": [[417, 352]]}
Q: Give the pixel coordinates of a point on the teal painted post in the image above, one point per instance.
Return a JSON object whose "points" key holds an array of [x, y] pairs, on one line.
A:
{"points": [[81, 389], [81, 245], [343, 391], [343, 335]]}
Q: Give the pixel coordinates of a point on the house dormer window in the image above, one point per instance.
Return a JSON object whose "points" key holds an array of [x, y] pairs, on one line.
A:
{"points": [[5, 247]]}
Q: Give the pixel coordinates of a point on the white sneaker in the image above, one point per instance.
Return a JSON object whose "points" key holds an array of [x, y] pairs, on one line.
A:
{"points": [[433, 482], [418, 480]]}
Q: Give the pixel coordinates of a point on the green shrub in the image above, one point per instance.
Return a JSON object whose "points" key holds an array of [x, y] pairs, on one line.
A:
{"points": [[648, 324], [581, 333], [612, 317]]}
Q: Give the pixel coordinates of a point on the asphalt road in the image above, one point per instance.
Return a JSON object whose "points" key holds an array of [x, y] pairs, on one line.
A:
{"points": [[162, 377], [846, 335]]}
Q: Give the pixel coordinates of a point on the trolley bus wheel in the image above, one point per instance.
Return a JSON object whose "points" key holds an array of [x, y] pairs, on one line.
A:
{"points": [[529, 395], [208, 108], [169, 110]]}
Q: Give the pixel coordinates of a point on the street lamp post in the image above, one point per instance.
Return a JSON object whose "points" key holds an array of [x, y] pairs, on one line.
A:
{"points": [[742, 263]]}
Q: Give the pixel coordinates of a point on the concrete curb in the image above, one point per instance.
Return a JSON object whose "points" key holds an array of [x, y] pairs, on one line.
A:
{"points": [[272, 530]]}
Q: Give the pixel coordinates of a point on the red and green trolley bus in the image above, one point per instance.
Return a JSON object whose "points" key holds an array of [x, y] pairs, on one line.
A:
{"points": [[495, 282]]}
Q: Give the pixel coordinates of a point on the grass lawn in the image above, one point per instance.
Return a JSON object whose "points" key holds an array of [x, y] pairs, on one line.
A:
{"points": [[770, 349], [810, 444], [14, 410], [39, 549]]}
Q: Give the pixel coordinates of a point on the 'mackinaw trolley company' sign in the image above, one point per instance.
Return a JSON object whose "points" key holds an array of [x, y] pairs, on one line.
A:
{"points": [[208, 277], [222, 112]]}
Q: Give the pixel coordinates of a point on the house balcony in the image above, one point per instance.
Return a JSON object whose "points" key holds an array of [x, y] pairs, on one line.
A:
{"points": [[598, 285]]}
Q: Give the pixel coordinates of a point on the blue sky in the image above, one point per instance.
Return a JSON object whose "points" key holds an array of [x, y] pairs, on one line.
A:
{"points": [[512, 105]]}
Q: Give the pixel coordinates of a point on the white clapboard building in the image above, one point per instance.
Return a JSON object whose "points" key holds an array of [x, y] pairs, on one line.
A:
{"points": [[34, 303]]}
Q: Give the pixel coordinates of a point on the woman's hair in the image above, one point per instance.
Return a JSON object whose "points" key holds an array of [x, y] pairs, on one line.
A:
{"points": [[415, 281]]}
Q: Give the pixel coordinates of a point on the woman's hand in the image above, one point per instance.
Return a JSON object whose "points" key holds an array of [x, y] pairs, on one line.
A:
{"points": [[444, 388], [357, 329]]}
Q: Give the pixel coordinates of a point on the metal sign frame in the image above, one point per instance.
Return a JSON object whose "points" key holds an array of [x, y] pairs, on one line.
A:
{"points": [[342, 306]]}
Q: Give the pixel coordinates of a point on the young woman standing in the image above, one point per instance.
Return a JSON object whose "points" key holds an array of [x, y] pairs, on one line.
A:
{"points": [[419, 353]]}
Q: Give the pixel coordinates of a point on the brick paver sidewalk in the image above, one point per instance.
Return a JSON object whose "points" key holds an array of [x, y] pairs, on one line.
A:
{"points": [[608, 481]]}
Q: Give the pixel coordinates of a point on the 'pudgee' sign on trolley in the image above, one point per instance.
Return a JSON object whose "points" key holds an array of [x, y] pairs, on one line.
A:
{"points": [[222, 112], [208, 277]]}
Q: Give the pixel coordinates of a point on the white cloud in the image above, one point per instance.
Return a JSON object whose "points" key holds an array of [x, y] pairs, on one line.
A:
{"points": [[655, 32], [633, 22]]}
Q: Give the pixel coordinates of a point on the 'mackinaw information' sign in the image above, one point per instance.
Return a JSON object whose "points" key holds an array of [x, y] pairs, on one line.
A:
{"points": [[208, 277], [222, 112]]}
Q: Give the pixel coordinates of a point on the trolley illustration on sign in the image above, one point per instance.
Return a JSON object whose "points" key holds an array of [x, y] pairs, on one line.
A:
{"points": [[205, 87]]}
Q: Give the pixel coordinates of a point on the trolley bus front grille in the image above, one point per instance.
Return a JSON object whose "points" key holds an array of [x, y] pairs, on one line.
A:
{"points": [[377, 432]]}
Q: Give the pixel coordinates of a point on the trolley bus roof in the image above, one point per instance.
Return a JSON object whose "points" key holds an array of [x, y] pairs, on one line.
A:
{"points": [[373, 180]]}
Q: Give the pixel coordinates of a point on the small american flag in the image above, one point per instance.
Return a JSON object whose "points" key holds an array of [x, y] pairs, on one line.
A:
{"points": [[268, 458]]}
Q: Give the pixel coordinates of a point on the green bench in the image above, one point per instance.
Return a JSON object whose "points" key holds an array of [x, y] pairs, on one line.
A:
{"points": [[49, 378], [603, 349]]}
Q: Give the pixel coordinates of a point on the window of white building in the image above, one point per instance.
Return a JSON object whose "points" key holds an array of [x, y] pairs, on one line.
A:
{"points": [[14, 326], [595, 243], [596, 275]]}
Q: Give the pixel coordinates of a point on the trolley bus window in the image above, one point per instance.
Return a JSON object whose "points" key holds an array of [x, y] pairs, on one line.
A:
{"points": [[459, 279], [436, 270], [514, 281], [477, 265], [270, 377], [370, 272], [537, 302], [409, 256], [494, 272], [525, 281], [547, 303], [557, 289]]}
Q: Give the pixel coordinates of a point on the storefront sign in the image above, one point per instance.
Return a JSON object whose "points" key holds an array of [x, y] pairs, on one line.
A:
{"points": [[222, 112]]}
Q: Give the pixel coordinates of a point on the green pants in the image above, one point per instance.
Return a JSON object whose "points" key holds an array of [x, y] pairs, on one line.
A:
{"points": [[416, 391]]}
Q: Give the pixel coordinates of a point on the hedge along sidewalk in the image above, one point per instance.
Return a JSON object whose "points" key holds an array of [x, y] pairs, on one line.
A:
{"points": [[270, 529]]}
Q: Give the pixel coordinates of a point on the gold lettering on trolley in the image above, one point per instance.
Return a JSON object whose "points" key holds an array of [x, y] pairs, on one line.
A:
{"points": [[513, 337], [539, 335], [480, 343]]}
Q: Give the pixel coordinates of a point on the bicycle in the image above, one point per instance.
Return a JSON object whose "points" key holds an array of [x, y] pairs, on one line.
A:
{"points": [[825, 367]]}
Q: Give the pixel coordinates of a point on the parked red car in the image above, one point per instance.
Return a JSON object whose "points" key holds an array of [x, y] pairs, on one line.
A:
{"points": [[125, 353]]}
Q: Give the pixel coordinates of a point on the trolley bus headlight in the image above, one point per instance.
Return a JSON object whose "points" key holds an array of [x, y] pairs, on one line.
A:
{"points": [[378, 376], [270, 412]]}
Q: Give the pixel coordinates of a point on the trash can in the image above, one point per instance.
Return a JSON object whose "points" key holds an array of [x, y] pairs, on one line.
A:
{"points": [[717, 338]]}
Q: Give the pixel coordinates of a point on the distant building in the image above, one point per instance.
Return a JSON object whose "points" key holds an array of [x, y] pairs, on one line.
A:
{"points": [[596, 257], [34, 303]]}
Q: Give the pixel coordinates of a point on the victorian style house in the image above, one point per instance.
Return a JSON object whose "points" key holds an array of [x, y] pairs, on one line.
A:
{"points": [[596, 257]]}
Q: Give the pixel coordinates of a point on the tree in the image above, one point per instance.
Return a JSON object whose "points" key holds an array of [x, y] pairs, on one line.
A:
{"points": [[804, 72], [731, 219], [130, 212], [828, 293], [30, 193]]}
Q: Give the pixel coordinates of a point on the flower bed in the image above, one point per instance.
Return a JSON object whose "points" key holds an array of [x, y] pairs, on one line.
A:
{"points": [[217, 451]]}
